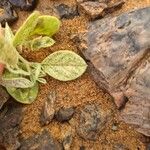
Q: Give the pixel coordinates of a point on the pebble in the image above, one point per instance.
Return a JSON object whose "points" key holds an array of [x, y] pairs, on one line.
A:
{"points": [[92, 120], [65, 114], [48, 110], [66, 12]]}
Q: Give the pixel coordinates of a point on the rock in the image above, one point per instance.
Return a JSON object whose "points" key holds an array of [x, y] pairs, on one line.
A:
{"points": [[137, 110], [4, 96], [68, 139], [8, 12], [98, 8], [48, 110], [92, 9], [118, 53], [66, 12], [26, 5], [10, 118], [92, 120], [148, 147], [65, 114], [42, 141], [82, 147], [114, 127], [120, 146], [114, 6]]}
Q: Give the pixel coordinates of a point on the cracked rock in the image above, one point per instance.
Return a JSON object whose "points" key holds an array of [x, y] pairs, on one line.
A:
{"points": [[92, 120], [118, 51]]}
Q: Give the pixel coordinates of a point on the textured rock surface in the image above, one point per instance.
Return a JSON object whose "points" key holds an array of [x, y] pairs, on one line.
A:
{"points": [[65, 114], [92, 121], [8, 13], [10, 118], [98, 8], [4, 96], [118, 49], [66, 12], [41, 141], [48, 110]]}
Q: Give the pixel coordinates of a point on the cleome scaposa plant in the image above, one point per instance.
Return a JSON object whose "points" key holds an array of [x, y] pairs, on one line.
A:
{"points": [[21, 77]]}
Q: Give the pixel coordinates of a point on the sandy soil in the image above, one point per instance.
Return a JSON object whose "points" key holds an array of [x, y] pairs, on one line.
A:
{"points": [[79, 92]]}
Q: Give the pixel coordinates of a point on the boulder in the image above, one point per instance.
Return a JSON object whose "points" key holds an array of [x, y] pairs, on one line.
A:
{"points": [[118, 52]]}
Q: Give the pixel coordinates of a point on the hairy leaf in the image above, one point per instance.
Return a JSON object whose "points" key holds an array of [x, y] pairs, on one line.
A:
{"points": [[26, 95], [41, 42], [14, 80], [8, 34], [25, 30], [47, 25], [8, 54], [64, 65]]}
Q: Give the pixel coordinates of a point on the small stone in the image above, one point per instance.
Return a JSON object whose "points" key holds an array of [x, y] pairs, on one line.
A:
{"points": [[114, 6], [43, 141], [65, 114], [48, 110], [4, 96], [120, 146], [114, 127], [82, 147], [92, 9], [67, 140], [66, 12], [92, 120]]}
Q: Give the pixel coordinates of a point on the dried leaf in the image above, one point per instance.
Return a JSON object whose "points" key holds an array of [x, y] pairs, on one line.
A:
{"points": [[64, 65], [47, 25], [25, 96]]}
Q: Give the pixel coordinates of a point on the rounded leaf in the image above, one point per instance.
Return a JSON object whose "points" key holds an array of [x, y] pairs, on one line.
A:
{"points": [[47, 25], [25, 96], [41, 42], [64, 65], [26, 29]]}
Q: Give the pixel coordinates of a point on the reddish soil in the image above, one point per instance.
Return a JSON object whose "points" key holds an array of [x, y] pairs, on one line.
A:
{"points": [[79, 92]]}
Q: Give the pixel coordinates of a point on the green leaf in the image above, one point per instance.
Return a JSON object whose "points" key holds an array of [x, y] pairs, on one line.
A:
{"points": [[25, 96], [25, 30], [42, 80], [47, 25], [41, 42], [64, 65], [8, 54], [14, 80], [8, 34]]}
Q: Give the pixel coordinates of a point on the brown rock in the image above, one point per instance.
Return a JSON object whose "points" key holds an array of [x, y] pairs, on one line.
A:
{"points": [[4, 96], [92, 9], [42, 141], [10, 118], [65, 114], [98, 8], [92, 120], [114, 6], [48, 110], [137, 110], [117, 49]]}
